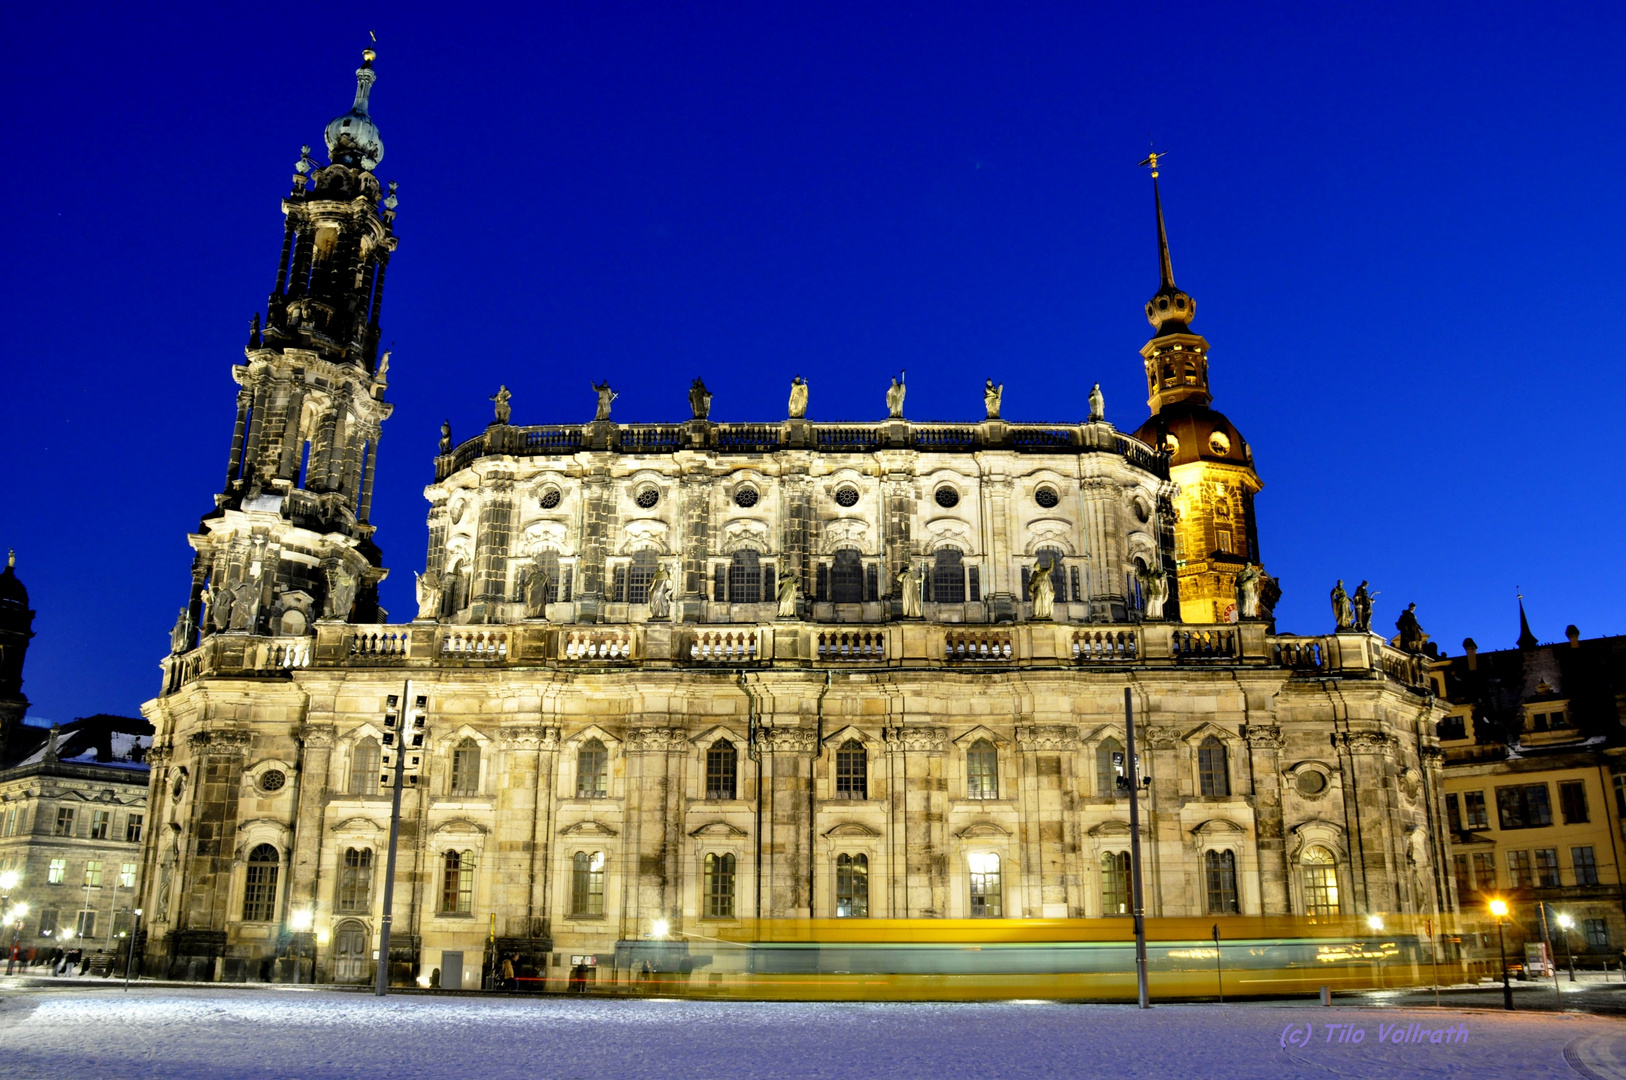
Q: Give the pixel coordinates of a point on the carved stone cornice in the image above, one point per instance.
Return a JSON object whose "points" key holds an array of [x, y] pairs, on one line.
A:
{"points": [[1366, 742], [526, 737], [219, 743], [160, 756], [1161, 738], [1031, 738], [1431, 754], [1264, 736], [318, 736], [917, 740], [789, 740], [655, 740]]}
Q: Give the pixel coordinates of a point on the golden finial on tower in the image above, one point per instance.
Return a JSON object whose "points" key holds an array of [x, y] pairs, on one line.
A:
{"points": [[1151, 162]]}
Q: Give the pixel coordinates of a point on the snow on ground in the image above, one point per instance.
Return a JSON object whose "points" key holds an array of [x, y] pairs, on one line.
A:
{"points": [[106, 1034]]}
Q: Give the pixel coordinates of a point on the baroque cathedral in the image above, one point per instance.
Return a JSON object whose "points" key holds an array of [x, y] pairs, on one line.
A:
{"points": [[683, 678]]}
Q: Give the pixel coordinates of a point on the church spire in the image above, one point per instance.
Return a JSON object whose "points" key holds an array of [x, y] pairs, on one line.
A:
{"points": [[1170, 309], [1162, 233], [1527, 640]]}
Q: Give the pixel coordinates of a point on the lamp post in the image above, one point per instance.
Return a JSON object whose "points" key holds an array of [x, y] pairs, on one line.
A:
{"points": [[1137, 897], [18, 914], [1498, 910], [8, 882], [1375, 924], [1564, 924], [404, 723], [299, 922], [129, 957]]}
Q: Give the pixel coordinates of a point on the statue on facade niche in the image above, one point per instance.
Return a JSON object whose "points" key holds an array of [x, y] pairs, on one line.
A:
{"points": [[909, 589], [428, 590], [1270, 592], [798, 398], [1411, 637], [991, 396], [1247, 592], [1342, 612], [788, 593], [536, 592], [217, 603], [180, 636], [1042, 591], [504, 411], [1363, 608], [660, 593], [699, 399], [1098, 404], [245, 605], [605, 397], [894, 398], [383, 367], [341, 592], [446, 436], [1154, 588]]}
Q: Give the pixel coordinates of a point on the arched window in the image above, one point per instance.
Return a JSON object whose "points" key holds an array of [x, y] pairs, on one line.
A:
{"points": [[466, 768], [592, 770], [1213, 771], [744, 578], [720, 886], [986, 894], [364, 773], [1115, 883], [587, 883], [1109, 769], [457, 882], [852, 771], [852, 886], [1220, 869], [721, 762], [639, 576], [355, 880], [982, 771], [948, 577], [1320, 882], [847, 577], [260, 885]]}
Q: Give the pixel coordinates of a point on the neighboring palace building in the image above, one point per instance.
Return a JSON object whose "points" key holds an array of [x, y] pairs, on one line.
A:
{"points": [[1535, 782], [702, 673]]}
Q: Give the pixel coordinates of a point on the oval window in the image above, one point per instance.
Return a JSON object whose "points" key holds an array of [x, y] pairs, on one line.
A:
{"points": [[745, 496], [1312, 782], [551, 499], [847, 496], [1047, 497], [947, 497], [647, 498], [273, 780], [1219, 443]]}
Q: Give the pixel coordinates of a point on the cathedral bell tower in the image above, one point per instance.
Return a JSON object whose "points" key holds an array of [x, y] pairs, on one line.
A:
{"points": [[289, 542], [1215, 532]]}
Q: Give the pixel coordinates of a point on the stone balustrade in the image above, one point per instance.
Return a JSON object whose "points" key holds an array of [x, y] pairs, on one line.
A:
{"points": [[908, 643]]}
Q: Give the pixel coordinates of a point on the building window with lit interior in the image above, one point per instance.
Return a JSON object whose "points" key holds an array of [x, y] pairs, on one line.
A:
{"points": [[852, 771], [592, 770], [57, 871], [721, 765], [1219, 868], [1320, 872], [719, 885], [355, 880], [852, 886], [587, 883], [1213, 768], [982, 771], [457, 883], [1115, 883], [986, 894], [260, 885]]}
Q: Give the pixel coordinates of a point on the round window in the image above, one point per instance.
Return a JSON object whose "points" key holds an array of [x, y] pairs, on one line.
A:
{"points": [[1047, 497], [179, 789], [1143, 511], [1312, 782], [745, 495], [1171, 443], [551, 498], [273, 780], [647, 498], [947, 497], [1219, 443], [847, 496]]}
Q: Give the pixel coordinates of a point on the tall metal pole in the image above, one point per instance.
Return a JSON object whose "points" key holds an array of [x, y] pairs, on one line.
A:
{"points": [[1547, 943], [129, 956], [1501, 946], [1138, 900], [395, 836]]}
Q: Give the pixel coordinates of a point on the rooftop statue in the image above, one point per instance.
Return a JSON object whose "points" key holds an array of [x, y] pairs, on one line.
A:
{"points": [[1247, 591], [446, 436], [991, 396], [1363, 608], [894, 398], [798, 398], [1342, 612], [605, 397], [501, 399], [1411, 637], [699, 399], [1098, 405]]}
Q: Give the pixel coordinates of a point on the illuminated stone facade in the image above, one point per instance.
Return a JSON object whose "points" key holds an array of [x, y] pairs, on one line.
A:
{"points": [[700, 673]]}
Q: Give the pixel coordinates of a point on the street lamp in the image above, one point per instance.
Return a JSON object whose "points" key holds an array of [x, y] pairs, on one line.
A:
{"points": [[129, 956], [299, 922], [1564, 924], [1498, 910], [661, 928], [17, 915], [8, 882]]}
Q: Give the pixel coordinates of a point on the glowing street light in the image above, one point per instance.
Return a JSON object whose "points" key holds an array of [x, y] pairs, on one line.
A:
{"points": [[1566, 924], [299, 921], [1375, 922], [661, 927], [1498, 910], [8, 882]]}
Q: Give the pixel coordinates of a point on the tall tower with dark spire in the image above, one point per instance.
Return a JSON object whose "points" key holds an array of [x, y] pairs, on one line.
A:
{"points": [[289, 541], [1215, 530], [16, 630]]}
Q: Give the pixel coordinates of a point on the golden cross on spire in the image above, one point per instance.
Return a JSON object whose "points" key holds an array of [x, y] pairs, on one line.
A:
{"points": [[1151, 161]]}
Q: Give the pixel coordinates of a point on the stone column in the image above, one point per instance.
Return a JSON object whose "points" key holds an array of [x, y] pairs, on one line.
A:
{"points": [[1365, 755], [208, 838], [1265, 744], [304, 860], [652, 822], [1184, 892], [921, 797], [788, 772], [695, 491], [1042, 750], [515, 841]]}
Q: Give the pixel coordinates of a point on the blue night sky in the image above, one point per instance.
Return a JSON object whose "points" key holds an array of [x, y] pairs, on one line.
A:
{"points": [[1401, 224]]}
